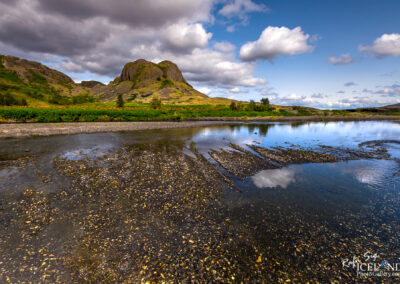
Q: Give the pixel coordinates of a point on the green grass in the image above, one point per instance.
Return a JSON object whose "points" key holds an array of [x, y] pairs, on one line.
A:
{"points": [[166, 83], [91, 112], [75, 115], [133, 112]]}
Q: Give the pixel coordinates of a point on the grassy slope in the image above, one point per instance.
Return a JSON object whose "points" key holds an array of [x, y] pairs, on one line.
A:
{"points": [[143, 91], [143, 112], [37, 90]]}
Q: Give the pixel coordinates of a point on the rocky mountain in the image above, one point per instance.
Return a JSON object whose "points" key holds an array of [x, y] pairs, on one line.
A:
{"points": [[139, 81]]}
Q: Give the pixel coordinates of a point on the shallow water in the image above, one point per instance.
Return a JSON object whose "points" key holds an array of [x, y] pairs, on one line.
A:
{"points": [[297, 220]]}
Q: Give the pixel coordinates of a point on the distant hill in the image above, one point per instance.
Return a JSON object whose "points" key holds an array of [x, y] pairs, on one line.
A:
{"points": [[396, 106], [384, 109], [139, 81]]}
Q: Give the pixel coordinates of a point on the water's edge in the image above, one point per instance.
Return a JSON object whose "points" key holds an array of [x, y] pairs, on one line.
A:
{"points": [[19, 130]]}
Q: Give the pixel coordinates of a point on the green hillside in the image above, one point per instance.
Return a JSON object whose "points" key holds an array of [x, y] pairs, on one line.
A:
{"points": [[24, 82]]}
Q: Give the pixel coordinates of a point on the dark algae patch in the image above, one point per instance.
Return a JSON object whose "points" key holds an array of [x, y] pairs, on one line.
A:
{"points": [[165, 206]]}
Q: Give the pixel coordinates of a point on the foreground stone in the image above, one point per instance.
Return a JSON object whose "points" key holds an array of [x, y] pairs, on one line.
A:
{"points": [[152, 213]]}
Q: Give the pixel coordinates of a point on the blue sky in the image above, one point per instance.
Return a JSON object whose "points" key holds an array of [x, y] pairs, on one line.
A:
{"points": [[327, 54], [340, 27]]}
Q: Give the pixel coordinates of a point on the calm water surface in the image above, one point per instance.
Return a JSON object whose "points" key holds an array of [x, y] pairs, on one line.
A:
{"points": [[356, 201]]}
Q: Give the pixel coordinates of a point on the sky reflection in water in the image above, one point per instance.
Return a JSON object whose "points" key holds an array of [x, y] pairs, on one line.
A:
{"points": [[348, 134]]}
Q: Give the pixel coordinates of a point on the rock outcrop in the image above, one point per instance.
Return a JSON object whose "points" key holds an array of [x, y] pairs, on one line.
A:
{"points": [[144, 73]]}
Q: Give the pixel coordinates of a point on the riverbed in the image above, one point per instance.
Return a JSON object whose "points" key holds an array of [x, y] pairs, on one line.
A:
{"points": [[256, 201]]}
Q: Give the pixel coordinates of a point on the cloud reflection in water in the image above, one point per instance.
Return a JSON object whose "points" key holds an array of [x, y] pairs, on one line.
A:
{"points": [[371, 172], [274, 178]]}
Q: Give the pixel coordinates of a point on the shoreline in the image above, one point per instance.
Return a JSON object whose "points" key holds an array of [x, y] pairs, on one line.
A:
{"points": [[23, 130], [299, 118]]}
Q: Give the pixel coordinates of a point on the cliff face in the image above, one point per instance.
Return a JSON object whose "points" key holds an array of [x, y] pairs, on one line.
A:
{"points": [[171, 71], [144, 73]]}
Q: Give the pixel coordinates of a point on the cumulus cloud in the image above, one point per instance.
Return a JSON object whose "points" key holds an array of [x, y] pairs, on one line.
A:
{"points": [[100, 37], [205, 90], [386, 45], [275, 41], [186, 37], [343, 59], [237, 90], [224, 46], [240, 8], [294, 100]]}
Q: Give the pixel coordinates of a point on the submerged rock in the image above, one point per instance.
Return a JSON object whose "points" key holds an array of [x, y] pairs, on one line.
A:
{"points": [[294, 156], [240, 162]]}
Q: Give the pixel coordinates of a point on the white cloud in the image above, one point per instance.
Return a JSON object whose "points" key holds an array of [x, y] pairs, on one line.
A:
{"points": [[294, 100], [185, 37], [205, 90], [335, 105], [294, 97], [275, 41], [239, 8], [235, 90], [386, 45], [343, 59], [224, 46]]}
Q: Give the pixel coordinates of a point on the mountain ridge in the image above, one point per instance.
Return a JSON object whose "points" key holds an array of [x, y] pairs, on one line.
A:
{"points": [[140, 81]]}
